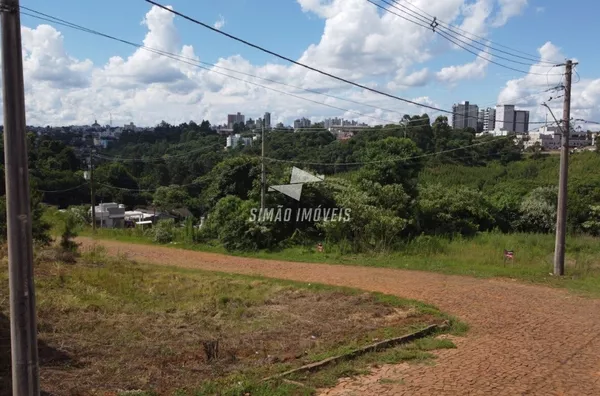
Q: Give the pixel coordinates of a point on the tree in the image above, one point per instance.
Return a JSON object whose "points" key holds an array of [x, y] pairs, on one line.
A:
{"points": [[453, 210], [230, 223], [69, 232], [234, 176], [375, 216], [538, 210], [392, 161], [40, 227], [172, 197]]}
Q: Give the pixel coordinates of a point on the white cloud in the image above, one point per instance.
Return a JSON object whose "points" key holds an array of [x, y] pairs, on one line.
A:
{"points": [[219, 23], [509, 9], [468, 71], [476, 17], [358, 42], [530, 91], [540, 10]]}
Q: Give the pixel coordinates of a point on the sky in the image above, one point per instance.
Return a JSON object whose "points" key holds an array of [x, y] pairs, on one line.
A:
{"points": [[73, 77]]}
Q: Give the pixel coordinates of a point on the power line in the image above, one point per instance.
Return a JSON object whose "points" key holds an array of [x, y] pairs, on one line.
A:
{"points": [[79, 27], [457, 36], [62, 191], [450, 27], [295, 62], [130, 189], [451, 38], [391, 160], [183, 59]]}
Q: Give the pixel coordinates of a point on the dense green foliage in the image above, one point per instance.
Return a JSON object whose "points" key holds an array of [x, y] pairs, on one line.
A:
{"points": [[396, 182]]}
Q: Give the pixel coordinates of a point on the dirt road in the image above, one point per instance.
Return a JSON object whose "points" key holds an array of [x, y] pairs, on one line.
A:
{"points": [[524, 339]]}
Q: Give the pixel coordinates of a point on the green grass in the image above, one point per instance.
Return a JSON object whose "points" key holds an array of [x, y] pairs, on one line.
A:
{"points": [[119, 323], [481, 256], [417, 352]]}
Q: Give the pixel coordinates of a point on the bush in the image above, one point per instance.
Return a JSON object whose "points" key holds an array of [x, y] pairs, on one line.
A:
{"points": [[71, 222], [230, 224], [538, 211], [164, 231], [453, 210], [592, 225]]}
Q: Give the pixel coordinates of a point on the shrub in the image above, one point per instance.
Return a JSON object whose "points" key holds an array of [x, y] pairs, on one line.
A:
{"points": [[538, 211], [592, 225], [164, 231], [453, 210], [69, 232]]}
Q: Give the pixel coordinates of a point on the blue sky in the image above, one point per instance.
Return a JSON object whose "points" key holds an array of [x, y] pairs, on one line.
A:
{"points": [[282, 26]]}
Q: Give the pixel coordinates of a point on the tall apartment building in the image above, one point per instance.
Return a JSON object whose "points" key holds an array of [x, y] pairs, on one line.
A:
{"points": [[465, 115], [267, 120], [302, 123], [511, 120], [489, 119], [233, 119]]}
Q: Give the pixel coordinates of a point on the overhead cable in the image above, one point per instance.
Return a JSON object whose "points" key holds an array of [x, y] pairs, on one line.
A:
{"points": [[453, 39], [455, 29]]}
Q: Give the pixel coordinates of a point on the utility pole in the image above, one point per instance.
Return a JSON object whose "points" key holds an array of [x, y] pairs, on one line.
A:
{"points": [[23, 326], [92, 192], [262, 176], [561, 213]]}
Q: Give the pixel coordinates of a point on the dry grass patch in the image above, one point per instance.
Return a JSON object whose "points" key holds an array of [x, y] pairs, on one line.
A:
{"points": [[113, 325]]}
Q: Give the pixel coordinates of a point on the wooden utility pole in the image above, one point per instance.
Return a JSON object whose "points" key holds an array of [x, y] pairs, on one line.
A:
{"points": [[561, 213], [23, 326], [92, 191], [262, 174]]}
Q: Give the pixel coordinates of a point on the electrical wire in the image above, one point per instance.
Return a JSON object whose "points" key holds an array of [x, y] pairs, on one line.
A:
{"points": [[452, 39], [335, 164], [62, 191], [183, 59], [391, 160], [299, 63], [452, 28], [424, 19], [78, 27], [178, 58], [128, 189]]}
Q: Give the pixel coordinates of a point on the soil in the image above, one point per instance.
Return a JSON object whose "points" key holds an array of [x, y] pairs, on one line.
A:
{"points": [[524, 339], [110, 325]]}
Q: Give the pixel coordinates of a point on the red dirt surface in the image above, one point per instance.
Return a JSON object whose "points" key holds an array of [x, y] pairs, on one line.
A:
{"points": [[524, 339]]}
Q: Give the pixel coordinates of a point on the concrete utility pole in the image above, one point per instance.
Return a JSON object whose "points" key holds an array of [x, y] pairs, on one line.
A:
{"points": [[92, 191], [561, 213], [263, 181], [23, 326]]}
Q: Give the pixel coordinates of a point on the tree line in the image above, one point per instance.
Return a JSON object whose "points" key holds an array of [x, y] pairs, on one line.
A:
{"points": [[399, 181]]}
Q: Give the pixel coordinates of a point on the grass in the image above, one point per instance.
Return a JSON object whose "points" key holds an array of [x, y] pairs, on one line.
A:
{"points": [[108, 325], [481, 256]]}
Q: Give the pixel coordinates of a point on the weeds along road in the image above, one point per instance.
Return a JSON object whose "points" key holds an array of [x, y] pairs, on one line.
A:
{"points": [[524, 339]]}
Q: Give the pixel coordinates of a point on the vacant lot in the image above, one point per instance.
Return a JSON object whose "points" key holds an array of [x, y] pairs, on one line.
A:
{"points": [[110, 325], [523, 338]]}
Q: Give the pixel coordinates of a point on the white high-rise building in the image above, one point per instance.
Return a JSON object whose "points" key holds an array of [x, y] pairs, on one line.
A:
{"points": [[489, 119], [511, 120]]}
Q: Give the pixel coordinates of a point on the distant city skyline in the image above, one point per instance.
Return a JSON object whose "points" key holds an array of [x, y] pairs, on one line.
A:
{"points": [[70, 75]]}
